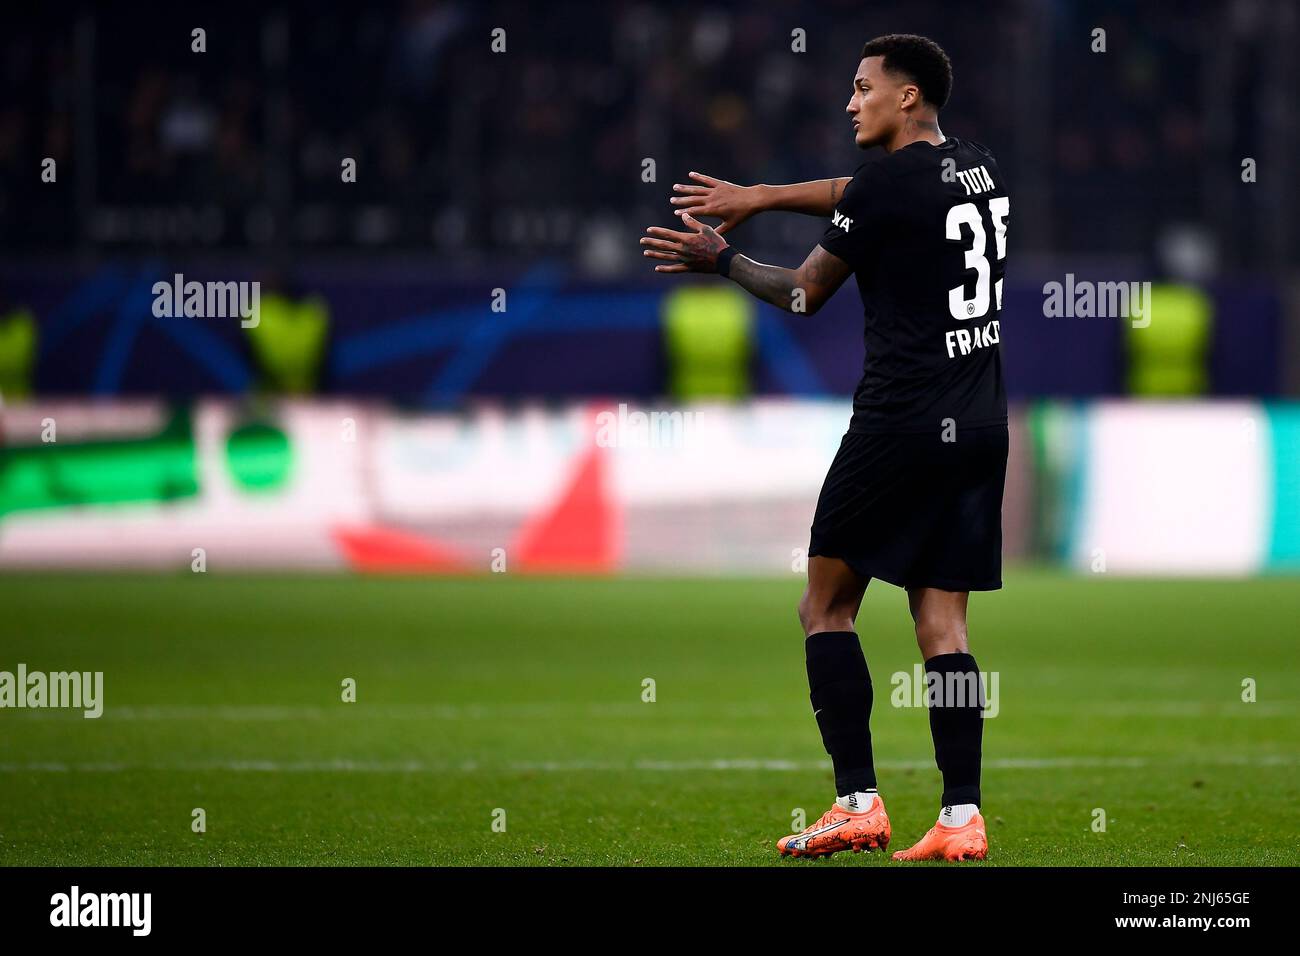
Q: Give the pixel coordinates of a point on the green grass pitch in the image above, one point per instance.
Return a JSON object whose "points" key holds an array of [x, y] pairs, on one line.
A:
{"points": [[520, 700]]}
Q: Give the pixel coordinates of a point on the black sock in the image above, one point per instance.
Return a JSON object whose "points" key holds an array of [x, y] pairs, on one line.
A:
{"points": [[956, 698], [840, 687]]}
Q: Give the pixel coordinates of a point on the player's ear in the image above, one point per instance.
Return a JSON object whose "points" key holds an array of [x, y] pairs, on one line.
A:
{"points": [[909, 96]]}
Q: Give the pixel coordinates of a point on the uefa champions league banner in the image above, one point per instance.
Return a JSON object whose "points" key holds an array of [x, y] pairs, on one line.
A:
{"points": [[1119, 488]]}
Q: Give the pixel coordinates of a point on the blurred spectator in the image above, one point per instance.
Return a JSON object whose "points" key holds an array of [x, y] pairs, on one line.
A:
{"points": [[489, 154]]}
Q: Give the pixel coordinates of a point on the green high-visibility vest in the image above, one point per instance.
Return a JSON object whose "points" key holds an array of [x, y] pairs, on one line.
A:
{"points": [[708, 331], [17, 354], [289, 342], [1169, 356]]}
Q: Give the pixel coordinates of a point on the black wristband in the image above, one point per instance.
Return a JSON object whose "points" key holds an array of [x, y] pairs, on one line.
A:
{"points": [[724, 260]]}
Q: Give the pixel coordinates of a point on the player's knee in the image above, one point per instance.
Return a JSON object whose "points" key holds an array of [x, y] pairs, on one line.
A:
{"points": [[817, 615], [805, 611], [940, 635]]}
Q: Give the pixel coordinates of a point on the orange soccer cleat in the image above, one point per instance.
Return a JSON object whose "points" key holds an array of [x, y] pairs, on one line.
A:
{"points": [[841, 829], [966, 842]]}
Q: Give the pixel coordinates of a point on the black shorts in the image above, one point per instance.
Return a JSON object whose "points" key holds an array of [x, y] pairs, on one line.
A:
{"points": [[916, 511]]}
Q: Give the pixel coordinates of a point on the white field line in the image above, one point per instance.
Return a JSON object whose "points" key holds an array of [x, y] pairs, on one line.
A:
{"points": [[277, 713], [664, 766]]}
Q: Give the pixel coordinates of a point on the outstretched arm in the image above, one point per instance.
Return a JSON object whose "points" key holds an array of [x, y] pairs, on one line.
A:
{"points": [[733, 204], [803, 290]]}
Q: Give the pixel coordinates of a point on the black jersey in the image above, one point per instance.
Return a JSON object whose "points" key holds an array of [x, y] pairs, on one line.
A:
{"points": [[926, 238]]}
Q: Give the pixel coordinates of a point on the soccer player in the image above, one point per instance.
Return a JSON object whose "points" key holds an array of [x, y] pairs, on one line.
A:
{"points": [[914, 494]]}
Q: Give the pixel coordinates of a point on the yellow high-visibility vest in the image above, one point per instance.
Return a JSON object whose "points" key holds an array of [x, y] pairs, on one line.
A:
{"points": [[17, 354], [708, 332], [1170, 356]]}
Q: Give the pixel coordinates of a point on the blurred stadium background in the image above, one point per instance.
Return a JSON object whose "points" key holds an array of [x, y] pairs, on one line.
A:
{"points": [[382, 416], [523, 172]]}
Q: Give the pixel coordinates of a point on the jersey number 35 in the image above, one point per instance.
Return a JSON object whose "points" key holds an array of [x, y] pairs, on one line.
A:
{"points": [[968, 214]]}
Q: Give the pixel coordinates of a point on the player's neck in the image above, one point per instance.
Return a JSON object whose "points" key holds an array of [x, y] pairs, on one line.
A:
{"points": [[916, 129]]}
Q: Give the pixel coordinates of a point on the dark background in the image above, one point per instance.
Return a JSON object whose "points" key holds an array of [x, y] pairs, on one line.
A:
{"points": [[522, 170]]}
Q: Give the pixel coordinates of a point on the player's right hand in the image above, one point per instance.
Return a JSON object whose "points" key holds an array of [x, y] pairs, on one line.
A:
{"points": [[731, 203]]}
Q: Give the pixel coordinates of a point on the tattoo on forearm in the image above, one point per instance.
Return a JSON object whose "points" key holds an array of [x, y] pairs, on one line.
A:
{"points": [[770, 283], [802, 290], [816, 273]]}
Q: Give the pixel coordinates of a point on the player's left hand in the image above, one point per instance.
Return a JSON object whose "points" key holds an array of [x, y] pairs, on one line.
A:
{"points": [[731, 203], [695, 251]]}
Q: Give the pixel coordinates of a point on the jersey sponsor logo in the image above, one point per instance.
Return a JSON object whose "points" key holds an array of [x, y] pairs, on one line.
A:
{"points": [[841, 221]]}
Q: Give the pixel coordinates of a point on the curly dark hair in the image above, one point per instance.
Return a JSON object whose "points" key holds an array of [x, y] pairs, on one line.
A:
{"points": [[920, 59]]}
